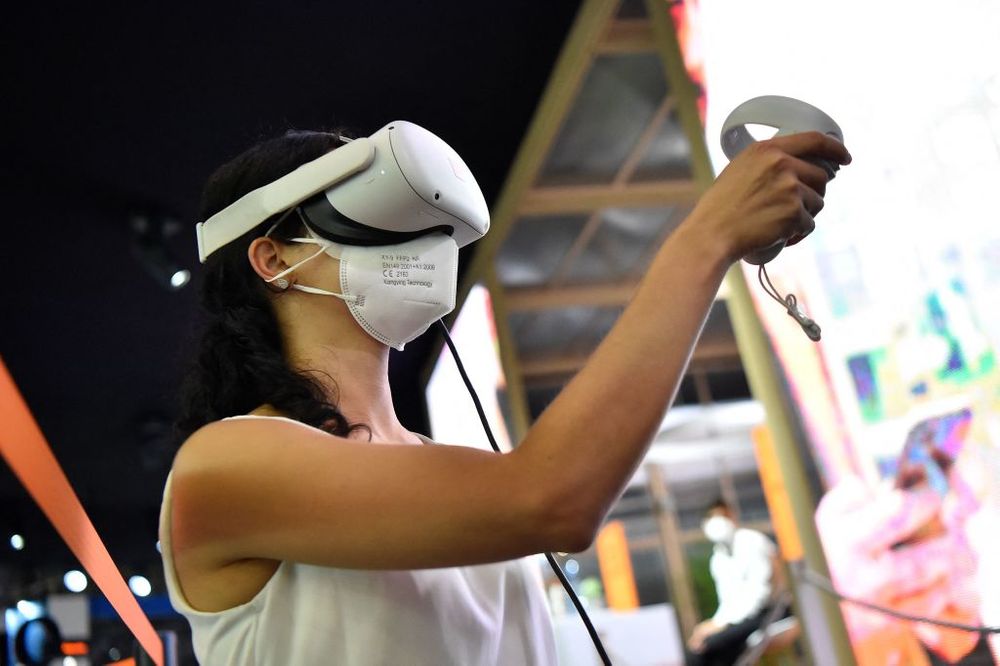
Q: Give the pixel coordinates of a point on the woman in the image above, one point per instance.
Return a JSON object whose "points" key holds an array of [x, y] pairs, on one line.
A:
{"points": [[314, 529]]}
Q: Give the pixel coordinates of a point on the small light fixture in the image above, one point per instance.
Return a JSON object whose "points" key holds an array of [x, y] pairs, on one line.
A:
{"points": [[150, 235], [140, 586], [75, 580]]}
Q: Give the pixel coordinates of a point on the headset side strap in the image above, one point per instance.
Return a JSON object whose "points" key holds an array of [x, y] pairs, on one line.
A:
{"points": [[291, 189]]}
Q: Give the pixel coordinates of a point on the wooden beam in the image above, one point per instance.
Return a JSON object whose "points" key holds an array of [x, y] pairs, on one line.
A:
{"points": [[701, 387], [645, 140], [627, 36], [625, 173], [706, 351], [580, 243], [693, 535], [727, 485], [715, 349], [610, 294], [680, 589], [560, 91], [682, 89], [587, 198], [553, 366], [719, 364], [544, 298]]}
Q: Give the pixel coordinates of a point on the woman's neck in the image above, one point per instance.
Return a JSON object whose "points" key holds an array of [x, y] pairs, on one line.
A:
{"points": [[322, 338]]}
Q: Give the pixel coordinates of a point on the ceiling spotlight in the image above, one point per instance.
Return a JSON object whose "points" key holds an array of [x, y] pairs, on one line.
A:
{"points": [[75, 581], [180, 278], [150, 235], [17, 542], [140, 586]]}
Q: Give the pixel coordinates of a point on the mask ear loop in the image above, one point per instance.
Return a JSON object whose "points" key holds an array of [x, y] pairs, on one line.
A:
{"points": [[790, 303], [282, 283], [279, 280]]}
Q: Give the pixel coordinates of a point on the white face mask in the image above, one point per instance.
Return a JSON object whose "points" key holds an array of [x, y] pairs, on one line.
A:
{"points": [[719, 529], [395, 292]]}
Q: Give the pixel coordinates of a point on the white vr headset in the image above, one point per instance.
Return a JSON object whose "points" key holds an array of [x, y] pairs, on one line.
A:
{"points": [[400, 183]]}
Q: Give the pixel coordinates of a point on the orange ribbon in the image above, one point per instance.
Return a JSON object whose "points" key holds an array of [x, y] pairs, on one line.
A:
{"points": [[23, 446]]}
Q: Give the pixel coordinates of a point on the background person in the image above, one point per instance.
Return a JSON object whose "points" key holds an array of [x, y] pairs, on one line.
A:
{"points": [[743, 567]]}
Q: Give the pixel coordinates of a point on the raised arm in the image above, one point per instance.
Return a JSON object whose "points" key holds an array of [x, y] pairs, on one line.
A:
{"points": [[281, 491], [589, 441]]}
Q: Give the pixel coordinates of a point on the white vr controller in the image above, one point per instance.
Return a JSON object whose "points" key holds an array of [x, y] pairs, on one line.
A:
{"points": [[789, 116]]}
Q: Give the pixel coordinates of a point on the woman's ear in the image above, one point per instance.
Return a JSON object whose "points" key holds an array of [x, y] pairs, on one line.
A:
{"points": [[265, 255]]}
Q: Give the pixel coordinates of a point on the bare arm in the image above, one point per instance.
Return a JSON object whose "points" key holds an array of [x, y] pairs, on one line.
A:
{"points": [[273, 490], [589, 441]]}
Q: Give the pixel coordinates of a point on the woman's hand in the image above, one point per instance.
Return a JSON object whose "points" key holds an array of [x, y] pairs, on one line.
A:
{"points": [[768, 193]]}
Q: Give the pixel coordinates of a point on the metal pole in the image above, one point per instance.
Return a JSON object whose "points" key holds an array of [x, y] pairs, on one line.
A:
{"points": [[824, 625], [820, 614], [674, 555]]}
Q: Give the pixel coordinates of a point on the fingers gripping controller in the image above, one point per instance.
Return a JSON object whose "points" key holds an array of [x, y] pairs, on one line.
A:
{"points": [[789, 116]]}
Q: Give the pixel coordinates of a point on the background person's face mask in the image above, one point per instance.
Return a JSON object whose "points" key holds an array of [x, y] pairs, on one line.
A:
{"points": [[719, 529], [395, 292]]}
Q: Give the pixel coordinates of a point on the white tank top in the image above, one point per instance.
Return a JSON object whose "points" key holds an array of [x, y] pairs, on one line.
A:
{"points": [[308, 615]]}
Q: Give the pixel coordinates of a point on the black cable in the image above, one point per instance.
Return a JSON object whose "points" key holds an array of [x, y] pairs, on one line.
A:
{"points": [[818, 580], [548, 556]]}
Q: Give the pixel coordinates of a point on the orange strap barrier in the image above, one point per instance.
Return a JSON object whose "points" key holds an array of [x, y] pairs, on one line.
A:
{"points": [[23, 446], [779, 504], [615, 563]]}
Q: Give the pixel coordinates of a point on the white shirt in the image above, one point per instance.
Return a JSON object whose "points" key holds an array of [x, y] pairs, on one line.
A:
{"points": [[742, 575], [493, 614]]}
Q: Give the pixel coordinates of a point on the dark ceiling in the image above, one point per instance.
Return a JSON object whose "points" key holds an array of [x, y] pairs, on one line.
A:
{"points": [[119, 109]]}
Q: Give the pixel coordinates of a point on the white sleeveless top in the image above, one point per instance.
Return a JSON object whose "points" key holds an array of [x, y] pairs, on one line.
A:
{"points": [[305, 615]]}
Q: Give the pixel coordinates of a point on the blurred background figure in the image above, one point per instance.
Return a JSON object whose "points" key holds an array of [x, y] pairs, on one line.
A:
{"points": [[743, 569]]}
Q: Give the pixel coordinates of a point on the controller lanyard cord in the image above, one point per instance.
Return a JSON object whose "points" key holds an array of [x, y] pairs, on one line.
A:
{"points": [[790, 303]]}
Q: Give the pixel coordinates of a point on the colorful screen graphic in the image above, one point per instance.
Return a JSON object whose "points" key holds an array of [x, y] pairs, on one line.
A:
{"points": [[901, 399]]}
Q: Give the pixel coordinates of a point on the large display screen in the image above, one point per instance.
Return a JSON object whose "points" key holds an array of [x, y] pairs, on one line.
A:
{"points": [[900, 399]]}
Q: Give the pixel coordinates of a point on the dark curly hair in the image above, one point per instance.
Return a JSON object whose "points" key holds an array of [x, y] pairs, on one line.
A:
{"points": [[240, 363]]}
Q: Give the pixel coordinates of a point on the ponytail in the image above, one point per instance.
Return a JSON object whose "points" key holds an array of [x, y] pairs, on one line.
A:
{"points": [[240, 362]]}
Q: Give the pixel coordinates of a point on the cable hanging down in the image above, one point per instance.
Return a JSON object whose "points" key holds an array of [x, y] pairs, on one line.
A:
{"points": [[806, 575], [548, 556]]}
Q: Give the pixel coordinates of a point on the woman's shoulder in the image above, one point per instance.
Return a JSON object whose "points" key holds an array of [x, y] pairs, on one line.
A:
{"points": [[264, 416], [237, 436], [240, 440], [269, 417]]}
